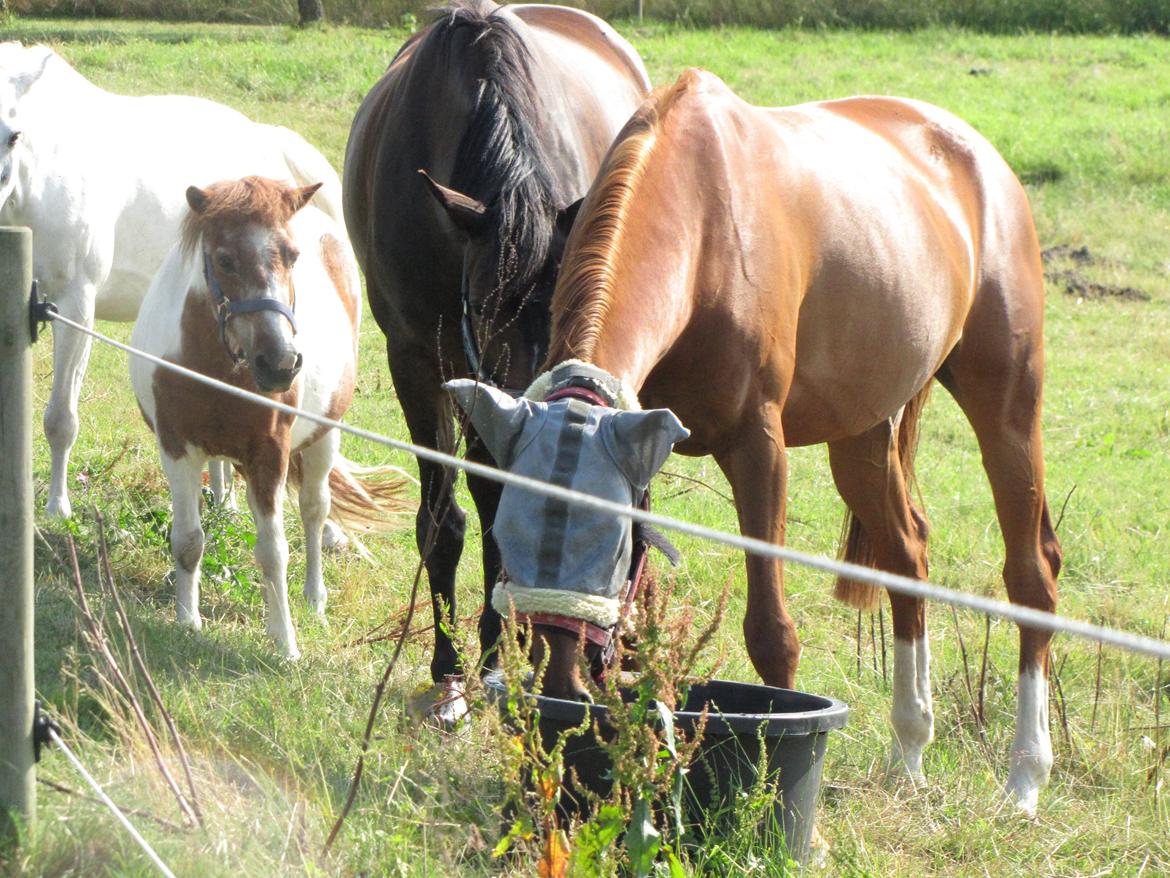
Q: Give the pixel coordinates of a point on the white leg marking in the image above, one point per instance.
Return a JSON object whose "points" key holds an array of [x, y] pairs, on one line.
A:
{"points": [[221, 479], [70, 355], [1031, 759], [272, 556], [333, 537], [316, 462], [912, 716], [185, 476]]}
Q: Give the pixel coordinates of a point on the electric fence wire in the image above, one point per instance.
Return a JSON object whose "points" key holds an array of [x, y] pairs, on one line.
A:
{"points": [[101, 794]]}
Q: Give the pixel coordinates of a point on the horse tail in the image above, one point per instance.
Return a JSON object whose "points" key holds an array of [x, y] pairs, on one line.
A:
{"points": [[308, 166], [855, 545], [363, 499]]}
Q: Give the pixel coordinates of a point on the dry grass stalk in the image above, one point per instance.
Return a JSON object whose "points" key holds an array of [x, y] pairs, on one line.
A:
{"points": [[99, 642], [140, 664]]}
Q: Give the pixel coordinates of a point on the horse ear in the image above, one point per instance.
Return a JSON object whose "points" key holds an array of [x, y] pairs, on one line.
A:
{"points": [[468, 214], [640, 442], [498, 419], [566, 216], [197, 199], [23, 79], [298, 198]]}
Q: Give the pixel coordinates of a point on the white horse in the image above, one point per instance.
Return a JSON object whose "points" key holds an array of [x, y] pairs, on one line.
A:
{"points": [[99, 178], [262, 292]]}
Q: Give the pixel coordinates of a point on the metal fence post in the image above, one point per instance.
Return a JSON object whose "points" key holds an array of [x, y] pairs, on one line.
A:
{"points": [[17, 778]]}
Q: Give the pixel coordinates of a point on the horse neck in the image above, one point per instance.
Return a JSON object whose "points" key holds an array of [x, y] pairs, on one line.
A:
{"points": [[629, 323], [628, 280]]}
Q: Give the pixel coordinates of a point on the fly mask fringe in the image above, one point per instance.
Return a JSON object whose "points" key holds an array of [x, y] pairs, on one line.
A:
{"points": [[855, 544], [363, 499], [542, 386], [601, 611]]}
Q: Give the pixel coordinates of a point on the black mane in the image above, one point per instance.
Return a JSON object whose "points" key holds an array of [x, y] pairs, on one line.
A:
{"points": [[500, 159]]}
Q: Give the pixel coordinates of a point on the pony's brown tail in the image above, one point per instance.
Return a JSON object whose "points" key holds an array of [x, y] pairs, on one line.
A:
{"points": [[855, 545], [364, 499]]}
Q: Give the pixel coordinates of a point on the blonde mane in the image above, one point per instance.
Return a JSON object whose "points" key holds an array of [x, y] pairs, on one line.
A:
{"points": [[585, 288]]}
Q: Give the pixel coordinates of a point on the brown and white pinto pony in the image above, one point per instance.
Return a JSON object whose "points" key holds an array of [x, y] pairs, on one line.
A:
{"points": [[785, 277], [262, 292]]}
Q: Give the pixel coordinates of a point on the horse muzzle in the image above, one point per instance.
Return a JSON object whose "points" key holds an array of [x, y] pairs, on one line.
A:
{"points": [[276, 374]]}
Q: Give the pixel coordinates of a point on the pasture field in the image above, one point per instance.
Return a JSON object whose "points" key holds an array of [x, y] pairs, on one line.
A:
{"points": [[1083, 121]]}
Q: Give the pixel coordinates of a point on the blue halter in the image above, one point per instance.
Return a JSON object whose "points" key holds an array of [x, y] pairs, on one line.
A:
{"points": [[226, 308]]}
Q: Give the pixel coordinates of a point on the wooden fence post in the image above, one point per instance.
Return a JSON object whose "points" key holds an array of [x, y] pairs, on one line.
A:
{"points": [[17, 778]]}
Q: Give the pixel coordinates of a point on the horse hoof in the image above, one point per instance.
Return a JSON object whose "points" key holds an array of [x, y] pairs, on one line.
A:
{"points": [[59, 507], [192, 621], [1024, 796], [818, 850], [316, 602], [442, 705]]}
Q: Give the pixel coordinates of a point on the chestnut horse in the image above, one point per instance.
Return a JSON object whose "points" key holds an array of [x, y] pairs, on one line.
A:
{"points": [[784, 277], [513, 108], [262, 291]]}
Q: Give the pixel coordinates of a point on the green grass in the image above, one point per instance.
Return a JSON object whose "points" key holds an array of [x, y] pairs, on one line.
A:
{"points": [[274, 744]]}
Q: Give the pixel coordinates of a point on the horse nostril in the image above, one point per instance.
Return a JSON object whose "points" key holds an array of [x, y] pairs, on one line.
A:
{"points": [[298, 362]]}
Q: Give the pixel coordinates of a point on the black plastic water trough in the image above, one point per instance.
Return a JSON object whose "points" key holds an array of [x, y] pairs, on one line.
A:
{"points": [[792, 726]]}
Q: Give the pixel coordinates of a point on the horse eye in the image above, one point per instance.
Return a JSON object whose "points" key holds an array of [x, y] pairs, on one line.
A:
{"points": [[13, 137], [226, 263], [290, 254]]}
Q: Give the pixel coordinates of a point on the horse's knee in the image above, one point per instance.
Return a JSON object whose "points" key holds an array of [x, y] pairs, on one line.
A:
{"points": [[60, 424], [272, 555], [773, 647], [187, 549]]}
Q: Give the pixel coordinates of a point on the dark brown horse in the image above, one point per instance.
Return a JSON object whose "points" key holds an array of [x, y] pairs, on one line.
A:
{"points": [[512, 108], [783, 277]]}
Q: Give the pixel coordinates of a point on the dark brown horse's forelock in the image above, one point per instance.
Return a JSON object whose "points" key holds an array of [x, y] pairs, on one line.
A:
{"points": [[501, 159]]}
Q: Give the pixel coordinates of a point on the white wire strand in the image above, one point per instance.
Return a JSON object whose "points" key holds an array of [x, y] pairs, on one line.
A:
{"points": [[108, 802], [1026, 616]]}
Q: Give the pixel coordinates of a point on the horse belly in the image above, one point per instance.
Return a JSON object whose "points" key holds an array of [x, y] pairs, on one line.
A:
{"points": [[858, 365]]}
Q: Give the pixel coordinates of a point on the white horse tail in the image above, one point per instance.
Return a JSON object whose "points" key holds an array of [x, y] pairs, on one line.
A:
{"points": [[364, 499], [308, 166]]}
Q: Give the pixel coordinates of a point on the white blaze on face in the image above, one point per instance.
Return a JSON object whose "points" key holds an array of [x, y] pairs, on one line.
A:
{"points": [[1031, 759], [912, 716], [261, 247]]}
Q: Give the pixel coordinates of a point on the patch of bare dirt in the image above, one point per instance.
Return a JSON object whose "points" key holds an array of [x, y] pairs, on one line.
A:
{"points": [[1074, 282]]}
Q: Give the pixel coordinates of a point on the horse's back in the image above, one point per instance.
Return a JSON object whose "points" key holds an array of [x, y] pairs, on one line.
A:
{"points": [[866, 229]]}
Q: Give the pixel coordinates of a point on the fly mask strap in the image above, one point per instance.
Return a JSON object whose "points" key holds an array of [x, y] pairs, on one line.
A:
{"points": [[225, 308]]}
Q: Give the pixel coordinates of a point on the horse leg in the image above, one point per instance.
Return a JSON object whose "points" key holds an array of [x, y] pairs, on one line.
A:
{"points": [[996, 378], [70, 356], [221, 480], [757, 468], [185, 477], [868, 473], [996, 375], [316, 462], [486, 495], [266, 478], [440, 524]]}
